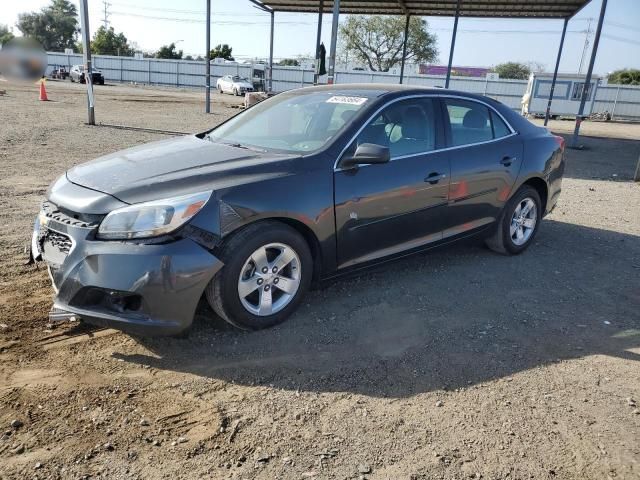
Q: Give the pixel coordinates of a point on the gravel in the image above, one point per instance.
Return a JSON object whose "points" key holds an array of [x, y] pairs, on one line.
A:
{"points": [[533, 357]]}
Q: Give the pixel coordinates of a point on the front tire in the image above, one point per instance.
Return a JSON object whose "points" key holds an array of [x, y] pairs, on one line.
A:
{"points": [[518, 223], [268, 269]]}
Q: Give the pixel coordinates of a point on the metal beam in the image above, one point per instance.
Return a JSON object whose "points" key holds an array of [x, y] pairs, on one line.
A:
{"points": [[404, 8], [453, 44], [404, 48], [86, 54], [334, 41], [482, 8], [271, 53], [207, 59], [587, 83], [316, 76], [555, 72]]}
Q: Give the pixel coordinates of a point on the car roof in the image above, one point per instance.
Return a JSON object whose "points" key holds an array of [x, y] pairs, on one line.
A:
{"points": [[380, 89]]}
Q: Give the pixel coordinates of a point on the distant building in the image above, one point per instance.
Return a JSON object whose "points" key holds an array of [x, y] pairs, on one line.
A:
{"points": [[455, 71]]}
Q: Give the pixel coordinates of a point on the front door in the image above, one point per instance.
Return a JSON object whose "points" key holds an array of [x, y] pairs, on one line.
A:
{"points": [[485, 161], [388, 208]]}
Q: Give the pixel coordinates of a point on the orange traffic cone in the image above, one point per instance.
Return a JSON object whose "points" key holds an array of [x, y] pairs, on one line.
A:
{"points": [[43, 92]]}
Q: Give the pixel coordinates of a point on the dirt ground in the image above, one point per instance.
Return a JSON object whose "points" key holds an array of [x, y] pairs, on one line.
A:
{"points": [[455, 364]]}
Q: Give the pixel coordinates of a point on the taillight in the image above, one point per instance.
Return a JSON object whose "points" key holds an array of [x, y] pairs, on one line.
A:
{"points": [[560, 141]]}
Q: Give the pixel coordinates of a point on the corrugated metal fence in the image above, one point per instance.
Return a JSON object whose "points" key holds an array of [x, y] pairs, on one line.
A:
{"points": [[621, 101]]}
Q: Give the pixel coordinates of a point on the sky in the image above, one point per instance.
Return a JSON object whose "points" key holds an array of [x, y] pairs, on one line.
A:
{"points": [[480, 42]]}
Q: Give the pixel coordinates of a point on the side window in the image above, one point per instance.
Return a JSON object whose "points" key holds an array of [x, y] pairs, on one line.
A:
{"points": [[470, 122], [407, 127], [500, 128], [578, 87]]}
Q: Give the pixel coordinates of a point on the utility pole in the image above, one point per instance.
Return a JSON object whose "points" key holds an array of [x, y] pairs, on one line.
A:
{"points": [[586, 46], [86, 53], [331, 71], [106, 14], [207, 56]]}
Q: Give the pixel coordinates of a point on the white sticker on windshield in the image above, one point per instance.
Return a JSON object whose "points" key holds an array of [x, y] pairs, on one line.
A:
{"points": [[347, 100]]}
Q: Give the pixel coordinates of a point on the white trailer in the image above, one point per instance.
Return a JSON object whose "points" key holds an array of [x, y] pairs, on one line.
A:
{"points": [[566, 96]]}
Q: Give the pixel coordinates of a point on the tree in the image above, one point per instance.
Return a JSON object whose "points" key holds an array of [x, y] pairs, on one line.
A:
{"points": [[106, 42], [626, 76], [376, 40], [222, 51], [5, 34], [169, 51], [55, 27], [513, 70], [289, 62]]}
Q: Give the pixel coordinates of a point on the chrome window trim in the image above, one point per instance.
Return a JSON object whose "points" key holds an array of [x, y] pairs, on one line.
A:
{"points": [[437, 150]]}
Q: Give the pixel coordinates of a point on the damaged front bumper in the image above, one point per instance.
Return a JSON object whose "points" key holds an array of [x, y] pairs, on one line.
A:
{"points": [[141, 288]]}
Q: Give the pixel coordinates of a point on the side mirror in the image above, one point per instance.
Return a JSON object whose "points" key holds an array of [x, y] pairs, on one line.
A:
{"points": [[367, 154]]}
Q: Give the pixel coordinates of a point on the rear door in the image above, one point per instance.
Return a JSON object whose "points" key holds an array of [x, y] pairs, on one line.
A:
{"points": [[388, 208], [486, 154]]}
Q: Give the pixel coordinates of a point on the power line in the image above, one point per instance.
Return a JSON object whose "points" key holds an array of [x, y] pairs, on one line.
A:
{"points": [[621, 39], [219, 22], [623, 25]]}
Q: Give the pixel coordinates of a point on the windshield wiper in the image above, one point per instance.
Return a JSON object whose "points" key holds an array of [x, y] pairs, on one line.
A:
{"points": [[246, 147], [236, 145]]}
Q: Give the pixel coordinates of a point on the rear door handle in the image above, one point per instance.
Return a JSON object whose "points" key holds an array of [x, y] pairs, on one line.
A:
{"points": [[507, 161], [435, 177]]}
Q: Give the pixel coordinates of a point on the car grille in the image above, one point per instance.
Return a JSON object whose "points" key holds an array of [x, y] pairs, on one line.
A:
{"points": [[62, 242], [69, 218]]}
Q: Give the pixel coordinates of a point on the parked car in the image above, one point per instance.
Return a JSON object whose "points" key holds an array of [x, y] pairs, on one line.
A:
{"points": [[77, 74], [234, 84], [59, 72], [303, 187]]}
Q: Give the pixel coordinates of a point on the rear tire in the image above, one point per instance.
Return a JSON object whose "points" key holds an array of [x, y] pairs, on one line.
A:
{"points": [[518, 224], [244, 265]]}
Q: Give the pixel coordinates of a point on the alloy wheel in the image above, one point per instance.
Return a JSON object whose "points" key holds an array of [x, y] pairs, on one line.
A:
{"points": [[269, 279], [523, 221]]}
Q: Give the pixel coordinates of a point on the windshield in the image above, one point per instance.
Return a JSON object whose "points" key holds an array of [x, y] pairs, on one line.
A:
{"points": [[291, 122], [236, 78]]}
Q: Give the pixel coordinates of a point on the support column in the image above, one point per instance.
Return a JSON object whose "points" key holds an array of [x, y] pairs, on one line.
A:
{"points": [[587, 82], [316, 76], [86, 57], [207, 59], [404, 47], [334, 40], [555, 73], [271, 53], [453, 44]]}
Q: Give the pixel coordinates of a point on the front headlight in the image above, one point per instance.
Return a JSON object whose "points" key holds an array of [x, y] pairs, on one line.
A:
{"points": [[150, 219]]}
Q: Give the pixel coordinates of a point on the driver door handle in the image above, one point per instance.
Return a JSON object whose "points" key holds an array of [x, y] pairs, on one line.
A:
{"points": [[507, 161], [435, 177]]}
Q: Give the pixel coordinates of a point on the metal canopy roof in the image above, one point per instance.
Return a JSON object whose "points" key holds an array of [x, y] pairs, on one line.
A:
{"points": [[447, 8]]}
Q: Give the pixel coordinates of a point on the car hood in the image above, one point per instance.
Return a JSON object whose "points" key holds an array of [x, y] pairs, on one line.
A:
{"points": [[177, 166], [242, 84]]}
